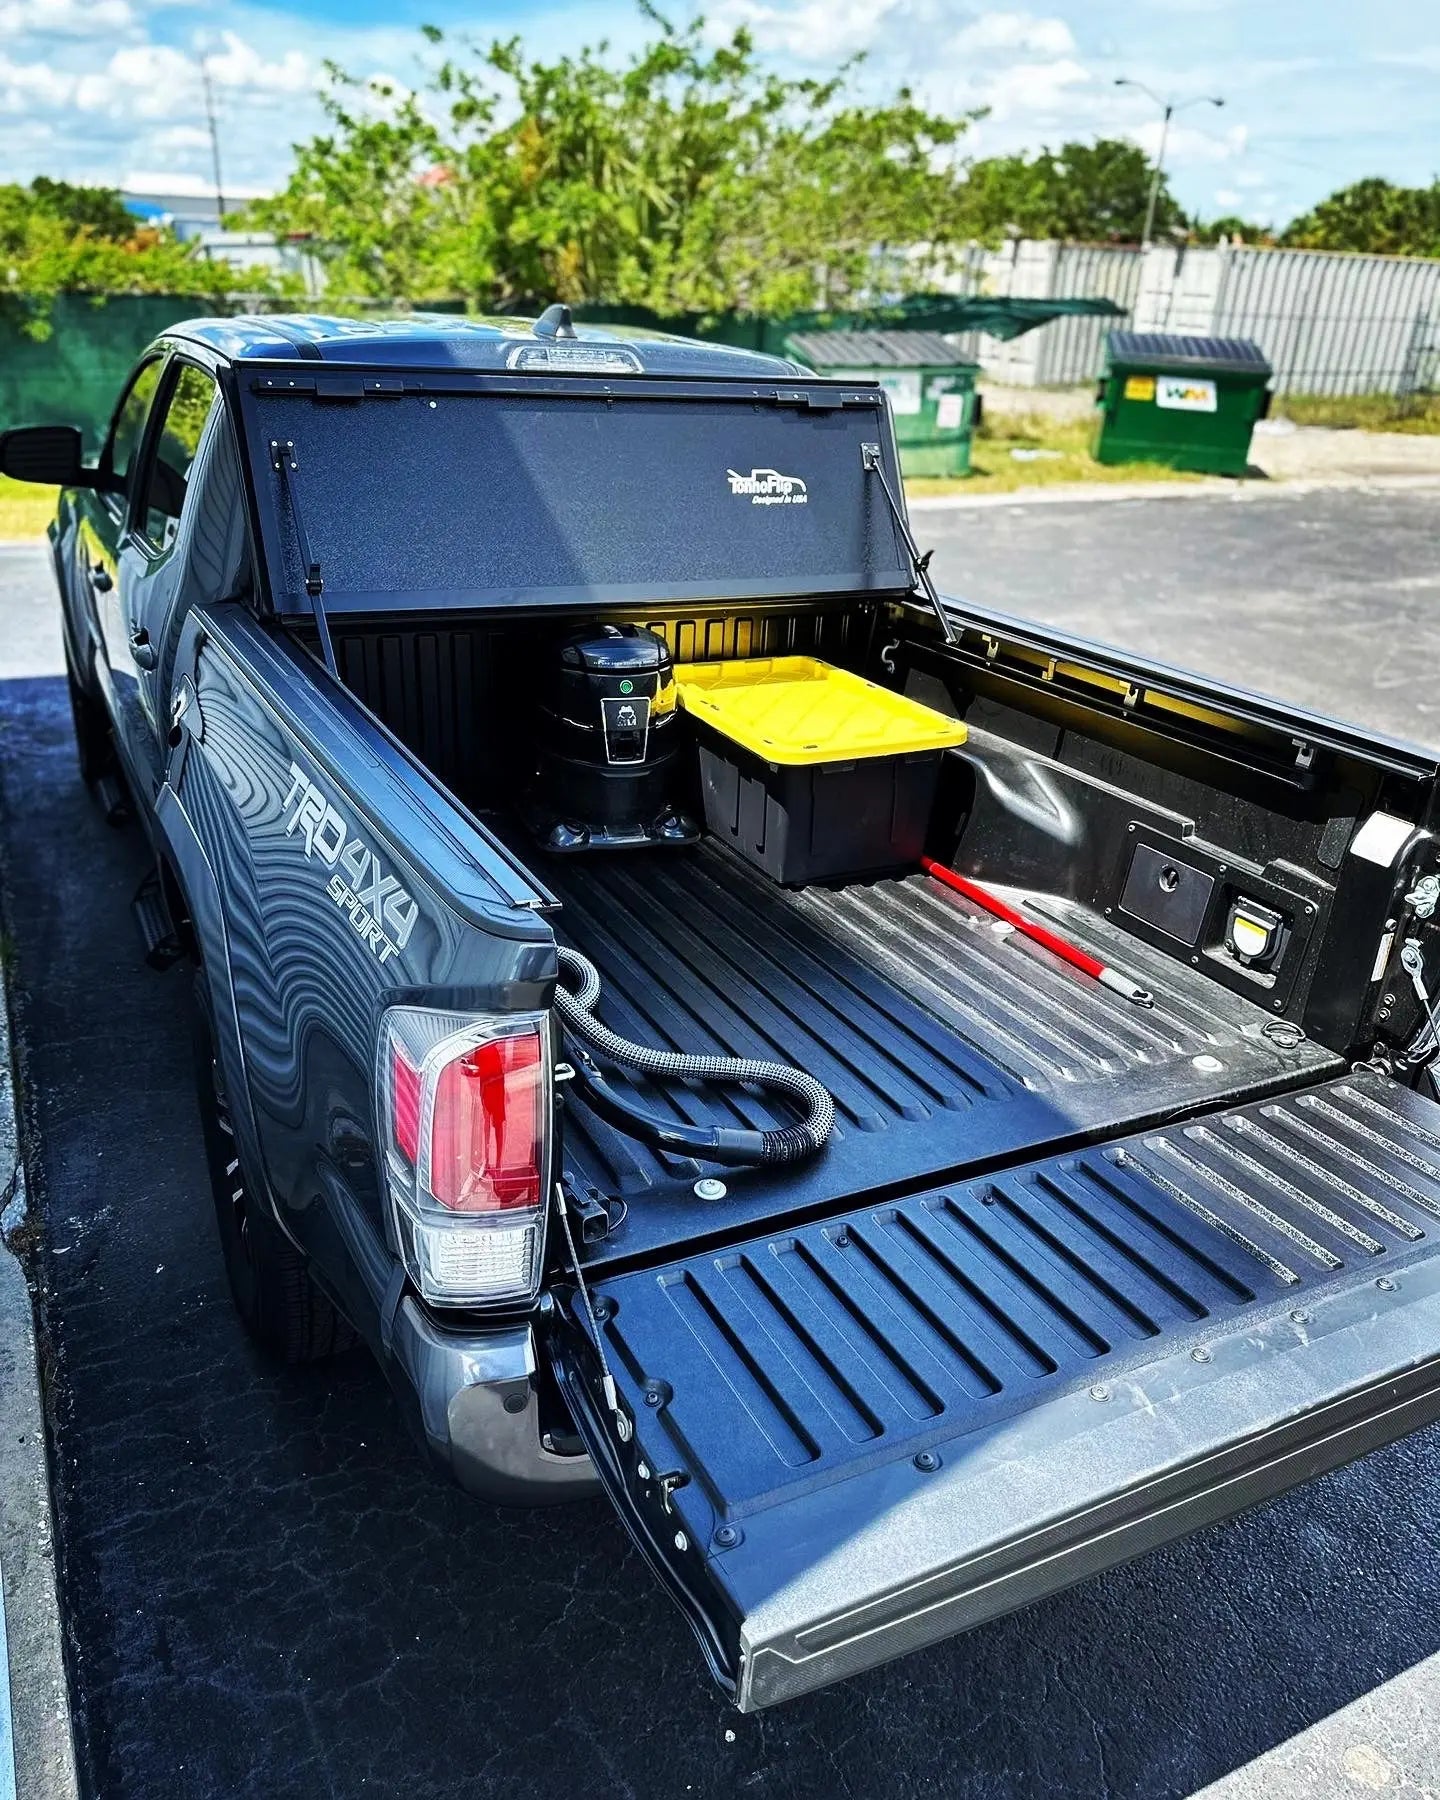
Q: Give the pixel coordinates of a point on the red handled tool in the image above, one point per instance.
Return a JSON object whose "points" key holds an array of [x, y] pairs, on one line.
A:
{"points": [[1040, 934]]}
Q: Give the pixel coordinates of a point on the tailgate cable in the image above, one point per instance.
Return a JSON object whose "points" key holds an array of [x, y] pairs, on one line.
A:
{"points": [[607, 1380], [1412, 961]]}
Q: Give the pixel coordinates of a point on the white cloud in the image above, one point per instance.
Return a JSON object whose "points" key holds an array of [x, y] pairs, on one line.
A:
{"points": [[1192, 143], [1229, 198], [1421, 56], [146, 81], [240, 65], [181, 137], [818, 31], [168, 184], [1018, 32], [64, 18], [24, 86], [826, 31], [1036, 90]]}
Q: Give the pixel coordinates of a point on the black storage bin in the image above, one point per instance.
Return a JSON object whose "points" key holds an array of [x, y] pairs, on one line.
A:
{"points": [[818, 821]]}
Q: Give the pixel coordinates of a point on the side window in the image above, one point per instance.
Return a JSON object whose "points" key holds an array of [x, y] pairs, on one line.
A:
{"points": [[173, 451], [122, 452]]}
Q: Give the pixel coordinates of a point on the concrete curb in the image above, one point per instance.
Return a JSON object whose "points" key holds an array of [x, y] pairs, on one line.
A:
{"points": [[1084, 493], [1382, 1742], [1071, 493], [35, 1728]]}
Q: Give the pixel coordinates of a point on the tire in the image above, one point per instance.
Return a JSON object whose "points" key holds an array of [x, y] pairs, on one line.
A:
{"points": [[93, 744], [270, 1281]]}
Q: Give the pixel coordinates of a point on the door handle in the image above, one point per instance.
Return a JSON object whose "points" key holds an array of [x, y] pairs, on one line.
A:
{"points": [[100, 580], [142, 650]]}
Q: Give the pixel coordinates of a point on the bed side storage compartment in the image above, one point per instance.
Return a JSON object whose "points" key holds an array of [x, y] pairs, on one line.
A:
{"points": [[843, 1442]]}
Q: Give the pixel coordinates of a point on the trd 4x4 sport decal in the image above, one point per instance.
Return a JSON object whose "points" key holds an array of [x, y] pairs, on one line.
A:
{"points": [[768, 487], [381, 912]]}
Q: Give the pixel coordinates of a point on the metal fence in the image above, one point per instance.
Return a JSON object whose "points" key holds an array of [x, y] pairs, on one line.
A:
{"points": [[1333, 324], [1067, 350], [1330, 323], [1072, 350]]}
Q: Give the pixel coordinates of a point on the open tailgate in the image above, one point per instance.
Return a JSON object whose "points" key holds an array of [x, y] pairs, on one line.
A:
{"points": [[852, 1439]]}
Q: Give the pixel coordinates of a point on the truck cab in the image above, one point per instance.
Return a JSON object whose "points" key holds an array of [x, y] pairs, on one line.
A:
{"points": [[913, 1107]]}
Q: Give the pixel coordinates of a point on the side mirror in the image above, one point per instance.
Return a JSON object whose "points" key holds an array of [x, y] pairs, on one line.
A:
{"points": [[48, 453]]}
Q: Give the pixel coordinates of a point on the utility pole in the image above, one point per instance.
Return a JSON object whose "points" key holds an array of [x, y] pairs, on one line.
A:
{"points": [[1168, 109], [214, 136]]}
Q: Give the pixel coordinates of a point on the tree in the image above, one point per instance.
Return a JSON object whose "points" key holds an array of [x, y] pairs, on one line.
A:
{"points": [[1232, 227], [1372, 215], [1091, 193], [687, 178], [55, 238], [377, 192], [100, 211]]}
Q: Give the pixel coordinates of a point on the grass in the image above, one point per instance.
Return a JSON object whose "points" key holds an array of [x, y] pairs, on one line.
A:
{"points": [[25, 510], [1419, 415], [993, 470]]}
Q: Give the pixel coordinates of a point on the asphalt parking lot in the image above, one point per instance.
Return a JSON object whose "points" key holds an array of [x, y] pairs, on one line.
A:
{"points": [[267, 1595]]}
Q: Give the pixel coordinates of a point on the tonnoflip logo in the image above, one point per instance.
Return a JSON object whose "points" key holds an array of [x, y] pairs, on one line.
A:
{"points": [[768, 487]]}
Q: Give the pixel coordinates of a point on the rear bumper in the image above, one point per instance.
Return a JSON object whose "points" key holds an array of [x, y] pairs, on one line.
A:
{"points": [[479, 1413]]}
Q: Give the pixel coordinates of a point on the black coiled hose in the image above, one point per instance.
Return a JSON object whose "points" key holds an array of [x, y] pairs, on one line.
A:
{"points": [[788, 1143]]}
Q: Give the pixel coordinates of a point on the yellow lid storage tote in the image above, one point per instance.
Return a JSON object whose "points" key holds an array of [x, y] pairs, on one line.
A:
{"points": [[813, 773]]}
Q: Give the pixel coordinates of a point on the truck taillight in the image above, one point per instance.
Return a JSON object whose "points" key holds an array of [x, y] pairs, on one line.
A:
{"points": [[465, 1105]]}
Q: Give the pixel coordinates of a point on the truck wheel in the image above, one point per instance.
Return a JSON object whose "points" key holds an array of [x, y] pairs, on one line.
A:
{"points": [[270, 1281], [93, 742]]}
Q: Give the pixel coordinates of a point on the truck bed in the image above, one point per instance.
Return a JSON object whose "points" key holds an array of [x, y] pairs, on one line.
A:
{"points": [[949, 1047]]}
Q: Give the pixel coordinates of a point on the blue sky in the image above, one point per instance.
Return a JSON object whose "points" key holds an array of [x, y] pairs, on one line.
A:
{"points": [[1318, 92]]}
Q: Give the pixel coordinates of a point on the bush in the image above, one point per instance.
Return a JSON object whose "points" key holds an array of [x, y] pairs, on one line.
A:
{"points": [[58, 239]]}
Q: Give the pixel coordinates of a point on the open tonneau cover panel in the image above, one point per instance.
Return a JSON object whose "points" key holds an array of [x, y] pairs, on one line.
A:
{"points": [[849, 1440], [946, 1044]]}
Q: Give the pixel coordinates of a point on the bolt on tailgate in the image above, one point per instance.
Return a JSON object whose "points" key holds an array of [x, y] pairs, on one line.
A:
{"points": [[849, 1440]]}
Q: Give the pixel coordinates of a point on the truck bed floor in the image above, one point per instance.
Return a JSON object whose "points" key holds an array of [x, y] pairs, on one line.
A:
{"points": [[947, 1045]]}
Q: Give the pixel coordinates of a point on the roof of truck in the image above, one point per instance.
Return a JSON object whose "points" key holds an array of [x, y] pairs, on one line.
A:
{"points": [[446, 341]]}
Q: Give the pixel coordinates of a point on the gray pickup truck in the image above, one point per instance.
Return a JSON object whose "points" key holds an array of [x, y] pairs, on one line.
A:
{"points": [[915, 1108]]}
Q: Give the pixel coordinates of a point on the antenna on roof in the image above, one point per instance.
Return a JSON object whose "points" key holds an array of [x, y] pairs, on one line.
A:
{"points": [[554, 322]]}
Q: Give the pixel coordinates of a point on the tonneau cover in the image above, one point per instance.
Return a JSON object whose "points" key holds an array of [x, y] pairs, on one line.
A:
{"points": [[426, 490]]}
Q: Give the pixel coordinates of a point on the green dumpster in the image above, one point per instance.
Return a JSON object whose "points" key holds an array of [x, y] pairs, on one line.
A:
{"points": [[932, 391], [1189, 402]]}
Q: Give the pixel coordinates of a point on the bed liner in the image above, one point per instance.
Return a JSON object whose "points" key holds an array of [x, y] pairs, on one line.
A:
{"points": [[948, 1046]]}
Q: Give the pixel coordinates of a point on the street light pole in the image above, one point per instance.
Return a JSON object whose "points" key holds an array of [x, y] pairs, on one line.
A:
{"points": [[214, 137], [1149, 231], [1168, 109]]}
